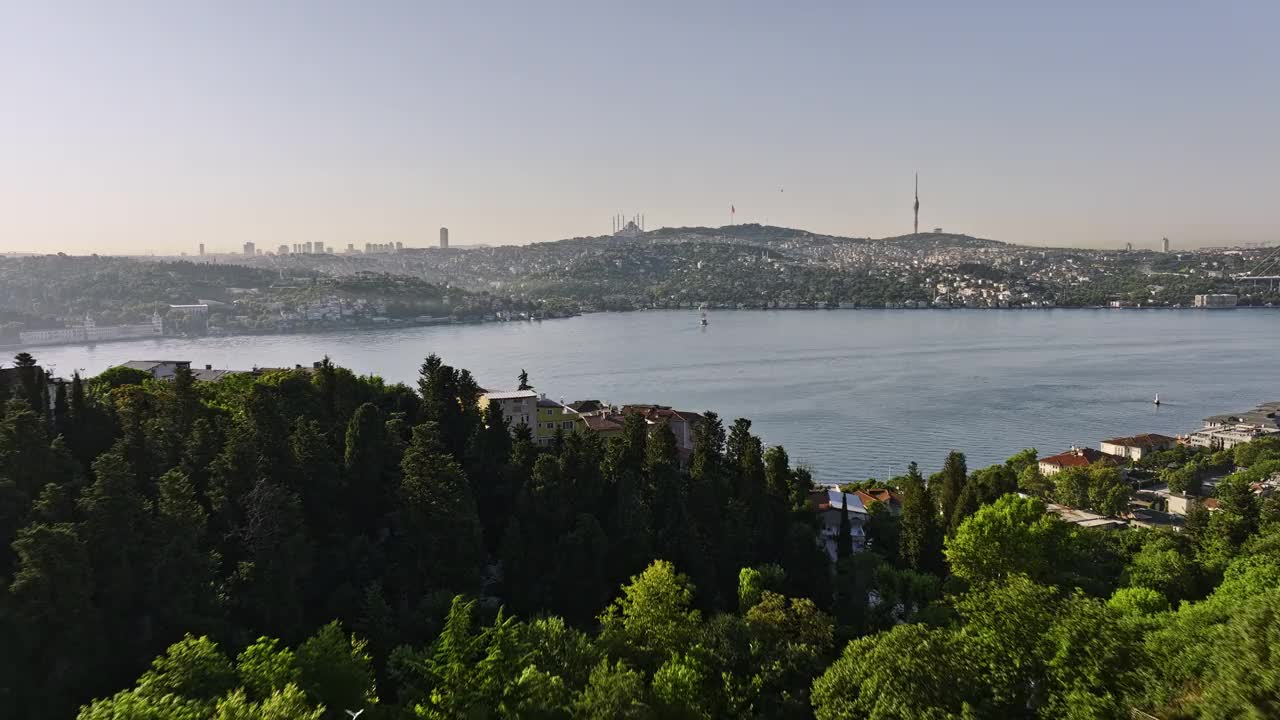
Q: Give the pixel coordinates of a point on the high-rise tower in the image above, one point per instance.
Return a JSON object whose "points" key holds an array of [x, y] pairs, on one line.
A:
{"points": [[444, 238], [916, 226]]}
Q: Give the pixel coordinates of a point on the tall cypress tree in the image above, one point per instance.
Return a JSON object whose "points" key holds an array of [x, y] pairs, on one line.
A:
{"points": [[439, 544], [954, 476], [115, 530], [844, 541], [57, 641], [180, 588], [920, 539], [369, 497]]}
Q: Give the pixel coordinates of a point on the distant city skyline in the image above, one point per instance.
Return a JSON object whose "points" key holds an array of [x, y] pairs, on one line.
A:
{"points": [[154, 127]]}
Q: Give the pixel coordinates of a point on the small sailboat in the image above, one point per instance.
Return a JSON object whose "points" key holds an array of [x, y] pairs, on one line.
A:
{"points": [[703, 320], [1157, 400]]}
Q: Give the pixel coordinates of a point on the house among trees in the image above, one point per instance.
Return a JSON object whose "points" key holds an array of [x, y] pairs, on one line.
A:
{"points": [[891, 499], [834, 509], [1075, 457]]}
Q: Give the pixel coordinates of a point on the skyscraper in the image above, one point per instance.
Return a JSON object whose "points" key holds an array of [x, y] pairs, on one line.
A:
{"points": [[250, 249], [319, 247], [444, 238], [201, 249], [1164, 245], [916, 226]]}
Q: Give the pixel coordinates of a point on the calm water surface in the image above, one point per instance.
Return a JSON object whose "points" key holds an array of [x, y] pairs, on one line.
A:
{"points": [[854, 394]]}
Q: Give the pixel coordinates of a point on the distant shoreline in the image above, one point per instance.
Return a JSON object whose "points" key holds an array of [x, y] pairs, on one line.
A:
{"points": [[407, 326]]}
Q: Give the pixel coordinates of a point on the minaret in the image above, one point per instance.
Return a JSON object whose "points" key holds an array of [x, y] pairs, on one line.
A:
{"points": [[917, 223]]}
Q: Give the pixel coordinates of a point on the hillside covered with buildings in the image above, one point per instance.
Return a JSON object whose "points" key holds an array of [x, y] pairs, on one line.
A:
{"points": [[56, 298]]}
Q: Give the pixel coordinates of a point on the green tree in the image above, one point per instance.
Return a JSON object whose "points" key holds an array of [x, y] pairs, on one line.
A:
{"points": [[180, 588], [653, 618], [55, 622], [1013, 535], [265, 667], [1108, 492], [920, 538], [614, 692], [439, 544], [954, 476], [368, 496], [336, 670], [911, 671]]}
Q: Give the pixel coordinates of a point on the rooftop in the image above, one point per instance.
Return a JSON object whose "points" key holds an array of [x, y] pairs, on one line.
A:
{"points": [[883, 495], [148, 364], [1145, 440], [603, 422], [833, 499], [1266, 415], [511, 394], [1080, 457]]}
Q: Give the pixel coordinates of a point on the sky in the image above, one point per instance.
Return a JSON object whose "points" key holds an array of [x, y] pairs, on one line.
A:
{"points": [[138, 126]]}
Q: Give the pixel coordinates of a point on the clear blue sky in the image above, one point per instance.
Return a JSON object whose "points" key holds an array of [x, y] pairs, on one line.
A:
{"points": [[135, 126]]}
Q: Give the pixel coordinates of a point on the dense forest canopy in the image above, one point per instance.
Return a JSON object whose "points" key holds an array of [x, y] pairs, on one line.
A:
{"points": [[306, 543]]}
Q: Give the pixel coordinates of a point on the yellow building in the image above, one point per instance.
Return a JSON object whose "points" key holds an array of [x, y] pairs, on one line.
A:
{"points": [[553, 416]]}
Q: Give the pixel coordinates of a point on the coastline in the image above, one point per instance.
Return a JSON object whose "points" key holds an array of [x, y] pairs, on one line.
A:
{"points": [[376, 327]]}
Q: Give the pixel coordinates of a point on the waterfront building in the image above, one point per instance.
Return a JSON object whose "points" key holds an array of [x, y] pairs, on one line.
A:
{"points": [[1216, 300], [1075, 457], [1138, 446], [90, 331], [1223, 432]]}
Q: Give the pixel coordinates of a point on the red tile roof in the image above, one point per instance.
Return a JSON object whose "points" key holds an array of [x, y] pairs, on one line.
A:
{"points": [[602, 422], [883, 495], [1082, 457]]}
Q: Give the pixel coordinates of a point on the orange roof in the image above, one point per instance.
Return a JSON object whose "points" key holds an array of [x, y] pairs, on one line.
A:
{"points": [[883, 495], [1083, 457]]}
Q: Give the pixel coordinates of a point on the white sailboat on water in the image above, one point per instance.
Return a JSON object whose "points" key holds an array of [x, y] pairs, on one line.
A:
{"points": [[1157, 400], [703, 319]]}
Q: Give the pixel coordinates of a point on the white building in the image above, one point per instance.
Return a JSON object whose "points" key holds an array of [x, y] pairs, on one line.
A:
{"points": [[829, 505], [1223, 432], [90, 331], [1138, 446], [1222, 300], [158, 369], [519, 407]]}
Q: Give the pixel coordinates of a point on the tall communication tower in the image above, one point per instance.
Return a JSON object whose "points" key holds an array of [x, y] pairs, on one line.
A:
{"points": [[916, 226]]}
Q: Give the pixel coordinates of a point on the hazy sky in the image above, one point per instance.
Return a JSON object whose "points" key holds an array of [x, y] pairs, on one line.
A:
{"points": [[135, 126]]}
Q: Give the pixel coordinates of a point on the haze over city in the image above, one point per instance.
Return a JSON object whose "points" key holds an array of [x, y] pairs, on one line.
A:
{"points": [[149, 127]]}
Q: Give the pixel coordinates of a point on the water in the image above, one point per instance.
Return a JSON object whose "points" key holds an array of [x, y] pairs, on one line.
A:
{"points": [[854, 394]]}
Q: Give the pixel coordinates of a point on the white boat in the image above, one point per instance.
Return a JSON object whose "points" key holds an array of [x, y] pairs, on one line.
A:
{"points": [[1157, 400]]}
